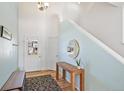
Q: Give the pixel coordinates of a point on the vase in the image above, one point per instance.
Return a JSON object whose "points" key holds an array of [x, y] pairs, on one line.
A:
{"points": [[78, 67]]}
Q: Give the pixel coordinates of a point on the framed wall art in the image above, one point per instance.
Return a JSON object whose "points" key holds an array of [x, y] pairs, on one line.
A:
{"points": [[33, 47], [4, 33]]}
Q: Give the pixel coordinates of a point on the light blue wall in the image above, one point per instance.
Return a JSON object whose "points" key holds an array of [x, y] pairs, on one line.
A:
{"points": [[8, 53], [102, 71]]}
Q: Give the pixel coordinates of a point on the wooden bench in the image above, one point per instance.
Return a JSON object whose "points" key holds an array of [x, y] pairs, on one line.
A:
{"points": [[15, 82]]}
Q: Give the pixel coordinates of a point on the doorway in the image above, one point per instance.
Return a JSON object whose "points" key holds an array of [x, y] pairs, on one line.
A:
{"points": [[46, 36]]}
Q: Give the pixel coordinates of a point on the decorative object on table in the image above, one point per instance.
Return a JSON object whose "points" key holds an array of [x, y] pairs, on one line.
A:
{"points": [[41, 83], [33, 47], [5, 33], [78, 61], [73, 48]]}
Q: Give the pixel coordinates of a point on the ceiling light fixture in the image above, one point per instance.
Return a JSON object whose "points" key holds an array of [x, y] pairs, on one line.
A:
{"points": [[43, 5]]}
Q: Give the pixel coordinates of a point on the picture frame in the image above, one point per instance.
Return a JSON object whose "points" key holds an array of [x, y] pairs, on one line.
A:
{"points": [[4, 33], [33, 47]]}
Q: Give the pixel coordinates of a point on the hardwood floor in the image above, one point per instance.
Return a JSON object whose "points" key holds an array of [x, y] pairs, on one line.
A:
{"points": [[66, 86]]}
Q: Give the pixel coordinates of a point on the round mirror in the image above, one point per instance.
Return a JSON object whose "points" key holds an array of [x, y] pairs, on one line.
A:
{"points": [[73, 48]]}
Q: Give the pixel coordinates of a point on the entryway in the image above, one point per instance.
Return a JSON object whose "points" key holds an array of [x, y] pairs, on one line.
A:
{"points": [[40, 28]]}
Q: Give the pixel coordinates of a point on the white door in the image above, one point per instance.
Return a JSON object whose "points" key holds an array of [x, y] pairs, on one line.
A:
{"points": [[52, 52], [33, 62], [52, 42]]}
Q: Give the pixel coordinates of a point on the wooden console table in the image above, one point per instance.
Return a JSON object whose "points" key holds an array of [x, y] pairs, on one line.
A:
{"points": [[73, 71]]}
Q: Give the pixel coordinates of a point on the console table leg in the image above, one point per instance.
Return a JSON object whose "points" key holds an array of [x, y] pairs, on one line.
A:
{"points": [[81, 81], [57, 72], [64, 74], [73, 81]]}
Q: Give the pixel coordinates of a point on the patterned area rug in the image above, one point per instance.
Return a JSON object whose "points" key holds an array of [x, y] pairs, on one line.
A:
{"points": [[41, 83]]}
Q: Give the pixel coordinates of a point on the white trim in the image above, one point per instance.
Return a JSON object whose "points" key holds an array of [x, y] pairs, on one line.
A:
{"points": [[123, 24], [100, 43]]}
